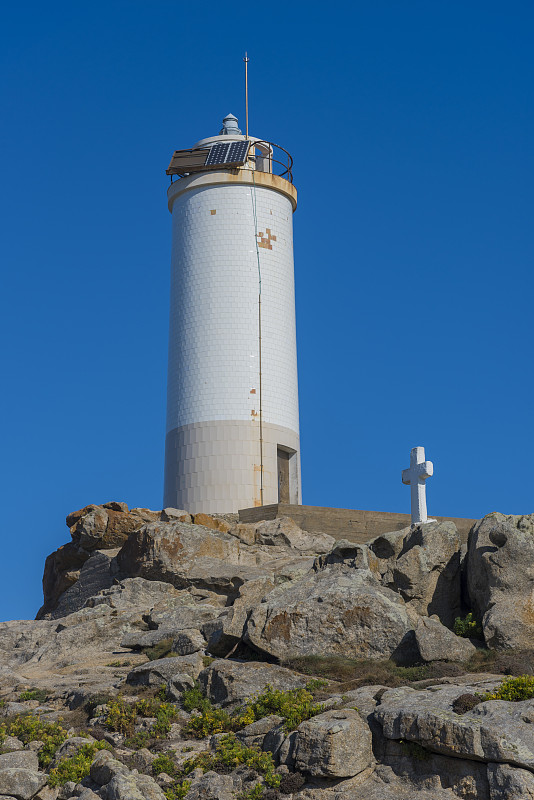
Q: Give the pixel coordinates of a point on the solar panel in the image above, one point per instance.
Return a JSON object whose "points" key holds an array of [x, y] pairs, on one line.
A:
{"points": [[228, 153], [184, 162]]}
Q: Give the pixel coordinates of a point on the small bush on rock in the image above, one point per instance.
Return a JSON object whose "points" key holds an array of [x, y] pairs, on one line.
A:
{"points": [[468, 627], [514, 689], [193, 699], [178, 791], [294, 706], [28, 729], [34, 694], [256, 793], [464, 703], [162, 649], [165, 763], [95, 700], [76, 768], [212, 720], [230, 754], [292, 782], [121, 716], [138, 740]]}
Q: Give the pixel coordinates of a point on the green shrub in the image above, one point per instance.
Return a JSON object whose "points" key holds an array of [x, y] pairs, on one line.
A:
{"points": [[468, 627], [177, 791], [164, 713], [294, 706], [34, 694], [230, 754], [95, 700], [514, 689], [194, 699], [121, 716], [162, 649], [76, 767], [29, 728], [316, 684], [210, 721], [138, 740], [165, 763], [256, 793]]}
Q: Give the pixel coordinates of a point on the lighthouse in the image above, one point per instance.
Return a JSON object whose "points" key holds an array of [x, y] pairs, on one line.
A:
{"points": [[232, 435]]}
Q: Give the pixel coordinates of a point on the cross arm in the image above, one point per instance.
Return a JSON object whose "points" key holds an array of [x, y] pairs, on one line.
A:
{"points": [[406, 476], [426, 469]]}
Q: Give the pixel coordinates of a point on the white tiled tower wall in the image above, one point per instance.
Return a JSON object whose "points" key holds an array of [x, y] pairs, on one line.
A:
{"points": [[213, 440]]}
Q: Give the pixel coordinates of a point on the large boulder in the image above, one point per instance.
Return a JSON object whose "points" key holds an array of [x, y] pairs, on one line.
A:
{"points": [[500, 577], [435, 642], [335, 744], [422, 564], [332, 612], [20, 783]]}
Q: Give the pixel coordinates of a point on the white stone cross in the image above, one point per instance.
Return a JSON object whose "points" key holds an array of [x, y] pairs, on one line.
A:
{"points": [[415, 477]]}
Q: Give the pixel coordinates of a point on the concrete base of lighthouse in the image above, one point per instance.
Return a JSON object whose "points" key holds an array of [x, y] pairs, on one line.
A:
{"points": [[215, 467]]}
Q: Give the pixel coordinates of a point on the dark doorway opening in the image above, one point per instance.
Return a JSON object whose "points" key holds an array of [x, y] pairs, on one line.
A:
{"points": [[283, 476]]}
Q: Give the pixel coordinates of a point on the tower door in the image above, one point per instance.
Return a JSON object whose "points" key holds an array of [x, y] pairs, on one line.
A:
{"points": [[283, 476]]}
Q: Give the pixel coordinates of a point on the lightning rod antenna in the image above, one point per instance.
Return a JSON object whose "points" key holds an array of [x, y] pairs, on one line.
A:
{"points": [[246, 60]]}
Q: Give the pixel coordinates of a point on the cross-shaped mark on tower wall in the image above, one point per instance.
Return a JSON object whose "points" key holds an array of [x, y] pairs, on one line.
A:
{"points": [[265, 241]]}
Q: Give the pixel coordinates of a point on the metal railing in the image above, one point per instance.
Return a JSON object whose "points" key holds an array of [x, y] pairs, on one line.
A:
{"points": [[271, 158], [281, 165]]}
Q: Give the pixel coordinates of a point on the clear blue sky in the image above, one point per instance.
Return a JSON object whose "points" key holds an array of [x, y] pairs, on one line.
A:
{"points": [[411, 127]]}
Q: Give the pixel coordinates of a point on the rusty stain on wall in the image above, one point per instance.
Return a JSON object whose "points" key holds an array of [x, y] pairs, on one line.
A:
{"points": [[213, 211], [265, 241], [257, 482]]}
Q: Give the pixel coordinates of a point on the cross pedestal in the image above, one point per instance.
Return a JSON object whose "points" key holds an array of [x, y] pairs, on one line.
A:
{"points": [[415, 478]]}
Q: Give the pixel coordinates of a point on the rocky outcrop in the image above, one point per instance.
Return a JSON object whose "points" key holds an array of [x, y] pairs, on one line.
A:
{"points": [[422, 564], [188, 555], [500, 579], [139, 584], [331, 612], [93, 528]]}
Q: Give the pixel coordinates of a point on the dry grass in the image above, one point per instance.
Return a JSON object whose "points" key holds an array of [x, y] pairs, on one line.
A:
{"points": [[351, 673]]}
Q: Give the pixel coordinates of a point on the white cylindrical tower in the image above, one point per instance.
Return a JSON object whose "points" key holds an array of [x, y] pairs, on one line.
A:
{"points": [[232, 397]]}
